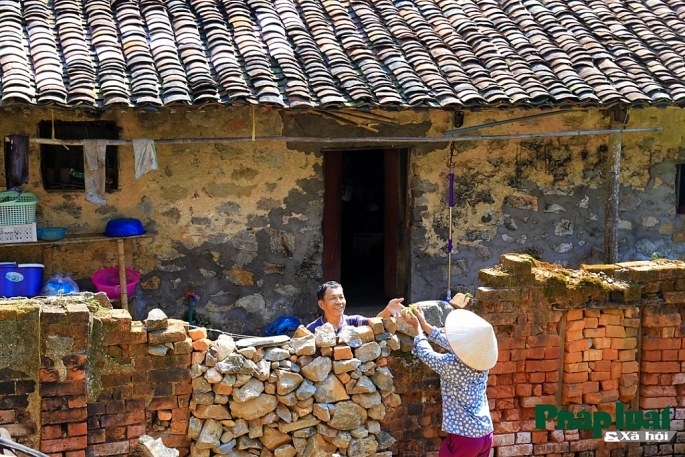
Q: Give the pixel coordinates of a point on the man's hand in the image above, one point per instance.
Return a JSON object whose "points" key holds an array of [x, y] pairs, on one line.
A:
{"points": [[394, 308]]}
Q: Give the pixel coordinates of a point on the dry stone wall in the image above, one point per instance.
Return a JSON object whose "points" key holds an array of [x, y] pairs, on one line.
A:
{"points": [[313, 395]]}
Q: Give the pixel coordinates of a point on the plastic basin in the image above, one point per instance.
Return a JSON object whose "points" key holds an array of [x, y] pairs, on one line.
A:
{"points": [[124, 227], [107, 281], [51, 233]]}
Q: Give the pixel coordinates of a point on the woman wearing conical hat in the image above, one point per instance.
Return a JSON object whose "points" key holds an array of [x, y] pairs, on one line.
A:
{"points": [[472, 352]]}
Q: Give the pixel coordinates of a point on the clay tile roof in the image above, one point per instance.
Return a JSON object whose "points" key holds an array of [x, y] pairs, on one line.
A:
{"points": [[335, 53]]}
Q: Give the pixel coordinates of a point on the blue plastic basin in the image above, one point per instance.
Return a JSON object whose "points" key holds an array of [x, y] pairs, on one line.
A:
{"points": [[124, 227]]}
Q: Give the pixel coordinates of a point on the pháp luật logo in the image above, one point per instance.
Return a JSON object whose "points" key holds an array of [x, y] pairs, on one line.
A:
{"points": [[631, 426]]}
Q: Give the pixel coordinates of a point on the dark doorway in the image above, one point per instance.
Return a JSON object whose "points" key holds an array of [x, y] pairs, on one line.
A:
{"points": [[362, 228], [363, 224]]}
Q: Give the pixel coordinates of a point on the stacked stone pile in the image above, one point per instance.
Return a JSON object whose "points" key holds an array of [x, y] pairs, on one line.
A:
{"points": [[314, 395]]}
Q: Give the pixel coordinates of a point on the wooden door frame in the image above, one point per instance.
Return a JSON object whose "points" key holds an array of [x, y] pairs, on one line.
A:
{"points": [[394, 209]]}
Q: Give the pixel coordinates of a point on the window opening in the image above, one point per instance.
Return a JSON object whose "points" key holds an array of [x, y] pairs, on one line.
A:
{"points": [[62, 169]]}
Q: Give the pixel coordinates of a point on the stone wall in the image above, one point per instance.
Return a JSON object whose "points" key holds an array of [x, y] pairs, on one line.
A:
{"points": [[241, 225]]}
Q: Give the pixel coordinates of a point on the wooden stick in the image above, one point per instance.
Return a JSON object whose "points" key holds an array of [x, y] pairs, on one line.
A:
{"points": [[613, 180], [121, 257], [385, 140]]}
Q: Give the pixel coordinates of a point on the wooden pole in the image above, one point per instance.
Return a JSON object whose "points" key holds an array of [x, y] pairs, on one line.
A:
{"points": [[385, 140], [613, 181], [121, 257]]}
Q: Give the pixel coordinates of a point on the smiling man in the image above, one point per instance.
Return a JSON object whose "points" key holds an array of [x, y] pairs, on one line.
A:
{"points": [[331, 300]]}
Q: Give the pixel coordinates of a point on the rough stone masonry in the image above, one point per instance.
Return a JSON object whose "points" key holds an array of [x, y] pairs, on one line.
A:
{"points": [[315, 395]]}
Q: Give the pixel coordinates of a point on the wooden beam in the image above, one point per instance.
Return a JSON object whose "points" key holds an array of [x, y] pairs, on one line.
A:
{"points": [[612, 184], [332, 214]]}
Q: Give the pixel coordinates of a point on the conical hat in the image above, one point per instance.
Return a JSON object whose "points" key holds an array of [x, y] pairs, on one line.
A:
{"points": [[472, 339]]}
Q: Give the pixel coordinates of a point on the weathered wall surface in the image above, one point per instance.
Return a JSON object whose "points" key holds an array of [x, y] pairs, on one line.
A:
{"points": [[241, 225], [544, 197], [20, 404]]}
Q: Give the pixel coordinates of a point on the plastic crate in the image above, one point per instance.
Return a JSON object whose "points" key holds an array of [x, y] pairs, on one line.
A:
{"points": [[18, 233], [17, 208]]}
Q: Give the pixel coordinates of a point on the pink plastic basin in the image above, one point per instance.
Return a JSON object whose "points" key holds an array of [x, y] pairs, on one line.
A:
{"points": [[107, 281]]}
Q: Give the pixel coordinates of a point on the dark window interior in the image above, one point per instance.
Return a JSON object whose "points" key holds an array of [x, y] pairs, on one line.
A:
{"points": [[62, 169]]}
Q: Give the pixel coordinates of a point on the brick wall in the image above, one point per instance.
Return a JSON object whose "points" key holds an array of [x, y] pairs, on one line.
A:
{"points": [[99, 382], [581, 339], [19, 373], [82, 380]]}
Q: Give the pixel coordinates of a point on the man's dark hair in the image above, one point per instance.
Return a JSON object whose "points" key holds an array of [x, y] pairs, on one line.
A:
{"points": [[321, 291]]}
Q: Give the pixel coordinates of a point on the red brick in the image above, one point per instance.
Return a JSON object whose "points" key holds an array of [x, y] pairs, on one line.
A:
{"points": [[651, 356], [575, 377], [61, 417], [594, 332], [623, 343], [601, 343], [615, 331], [661, 343], [609, 319], [600, 365], [163, 403], [661, 367], [662, 320], [575, 335], [573, 357], [572, 326], [591, 322], [135, 431], [116, 379], [197, 333], [60, 389], [590, 386], [610, 384], [544, 340], [75, 454], [543, 365], [511, 343], [115, 434], [77, 429], [577, 346], [574, 314], [176, 441], [96, 436], [670, 355], [201, 344], [524, 390], [657, 402], [617, 370], [536, 378], [51, 432], [111, 420], [106, 449], [63, 444], [610, 354], [658, 391], [179, 427], [552, 352], [116, 339], [630, 367], [600, 375], [77, 401], [503, 367]]}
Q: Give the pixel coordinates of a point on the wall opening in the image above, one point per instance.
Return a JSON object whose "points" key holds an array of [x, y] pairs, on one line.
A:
{"points": [[362, 228], [62, 169]]}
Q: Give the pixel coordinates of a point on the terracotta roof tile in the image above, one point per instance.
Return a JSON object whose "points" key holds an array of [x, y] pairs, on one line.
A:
{"points": [[307, 53]]}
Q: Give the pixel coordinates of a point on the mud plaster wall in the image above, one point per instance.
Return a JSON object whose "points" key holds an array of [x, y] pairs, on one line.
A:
{"points": [[544, 197], [241, 225]]}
